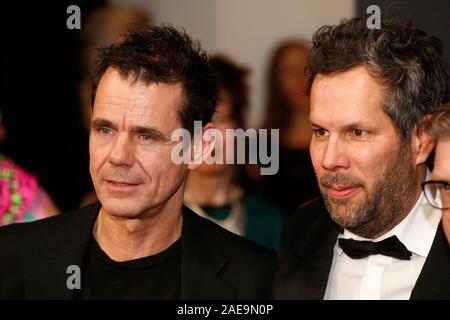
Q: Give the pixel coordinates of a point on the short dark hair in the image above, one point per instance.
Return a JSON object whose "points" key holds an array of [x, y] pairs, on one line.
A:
{"points": [[407, 61], [165, 54]]}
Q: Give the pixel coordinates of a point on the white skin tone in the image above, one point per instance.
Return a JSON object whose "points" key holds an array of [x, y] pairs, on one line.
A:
{"points": [[353, 144], [441, 172], [138, 185]]}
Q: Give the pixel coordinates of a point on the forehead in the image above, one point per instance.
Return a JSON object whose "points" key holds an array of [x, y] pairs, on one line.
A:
{"points": [[441, 169], [134, 102], [343, 98]]}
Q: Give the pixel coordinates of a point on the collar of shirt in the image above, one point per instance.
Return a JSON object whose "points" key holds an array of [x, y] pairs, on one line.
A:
{"points": [[416, 231]]}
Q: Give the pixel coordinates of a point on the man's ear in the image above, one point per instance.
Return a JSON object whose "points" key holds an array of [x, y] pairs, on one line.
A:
{"points": [[203, 146], [423, 144]]}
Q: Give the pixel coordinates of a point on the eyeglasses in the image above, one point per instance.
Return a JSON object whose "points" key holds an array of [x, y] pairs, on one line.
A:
{"points": [[437, 193]]}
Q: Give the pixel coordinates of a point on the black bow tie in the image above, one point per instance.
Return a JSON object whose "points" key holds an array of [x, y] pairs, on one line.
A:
{"points": [[391, 247]]}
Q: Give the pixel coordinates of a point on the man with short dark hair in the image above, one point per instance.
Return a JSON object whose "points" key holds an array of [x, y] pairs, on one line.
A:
{"points": [[373, 235], [138, 241]]}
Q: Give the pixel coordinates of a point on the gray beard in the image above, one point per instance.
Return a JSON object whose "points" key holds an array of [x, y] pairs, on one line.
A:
{"points": [[388, 204]]}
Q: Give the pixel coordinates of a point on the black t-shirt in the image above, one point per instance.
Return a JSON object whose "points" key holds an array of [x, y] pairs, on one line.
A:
{"points": [[152, 277]]}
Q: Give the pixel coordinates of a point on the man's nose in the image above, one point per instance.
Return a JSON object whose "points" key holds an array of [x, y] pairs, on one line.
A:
{"points": [[122, 152], [335, 155]]}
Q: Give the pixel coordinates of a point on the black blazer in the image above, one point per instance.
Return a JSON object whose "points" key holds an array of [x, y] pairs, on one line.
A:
{"points": [[215, 263], [306, 253]]}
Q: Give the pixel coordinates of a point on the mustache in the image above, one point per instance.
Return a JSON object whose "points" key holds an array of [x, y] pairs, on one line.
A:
{"points": [[120, 175], [340, 179]]}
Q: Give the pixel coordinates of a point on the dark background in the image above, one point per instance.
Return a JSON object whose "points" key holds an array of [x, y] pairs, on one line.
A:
{"points": [[40, 71], [432, 16]]}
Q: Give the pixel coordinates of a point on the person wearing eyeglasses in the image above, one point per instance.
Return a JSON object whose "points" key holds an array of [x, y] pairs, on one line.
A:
{"points": [[437, 190]]}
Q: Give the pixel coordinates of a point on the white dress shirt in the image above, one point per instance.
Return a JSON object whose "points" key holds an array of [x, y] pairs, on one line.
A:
{"points": [[382, 277]]}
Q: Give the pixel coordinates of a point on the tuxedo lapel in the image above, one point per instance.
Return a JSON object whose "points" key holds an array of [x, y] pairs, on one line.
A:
{"points": [[303, 278], [61, 249], [306, 254], [201, 264], [434, 279]]}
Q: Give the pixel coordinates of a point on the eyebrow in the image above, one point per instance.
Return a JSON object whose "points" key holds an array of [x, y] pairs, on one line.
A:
{"points": [[100, 123], [150, 131], [345, 127], [312, 124]]}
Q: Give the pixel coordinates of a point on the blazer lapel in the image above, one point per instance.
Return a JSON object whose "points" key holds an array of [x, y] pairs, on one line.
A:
{"points": [[434, 279], [60, 250], [201, 264], [305, 257]]}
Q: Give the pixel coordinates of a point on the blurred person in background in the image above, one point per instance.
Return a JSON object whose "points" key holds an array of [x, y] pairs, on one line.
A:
{"points": [[22, 199], [213, 190], [287, 109], [437, 190]]}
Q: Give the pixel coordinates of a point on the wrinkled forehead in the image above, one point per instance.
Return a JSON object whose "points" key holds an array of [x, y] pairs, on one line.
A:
{"points": [[349, 97], [123, 100]]}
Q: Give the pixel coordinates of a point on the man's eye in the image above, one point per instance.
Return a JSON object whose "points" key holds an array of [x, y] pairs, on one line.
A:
{"points": [[320, 132], [445, 186], [358, 132], [146, 138], [105, 131]]}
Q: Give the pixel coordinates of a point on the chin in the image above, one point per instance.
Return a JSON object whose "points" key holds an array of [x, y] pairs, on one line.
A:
{"points": [[126, 208]]}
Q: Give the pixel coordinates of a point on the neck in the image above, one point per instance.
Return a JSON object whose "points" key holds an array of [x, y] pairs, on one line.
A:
{"points": [[215, 189], [125, 239]]}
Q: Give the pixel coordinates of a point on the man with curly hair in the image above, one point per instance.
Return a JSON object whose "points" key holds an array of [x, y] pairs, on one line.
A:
{"points": [[372, 235]]}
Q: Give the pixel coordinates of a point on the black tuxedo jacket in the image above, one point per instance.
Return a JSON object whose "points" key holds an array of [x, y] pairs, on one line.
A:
{"points": [[306, 253], [215, 263]]}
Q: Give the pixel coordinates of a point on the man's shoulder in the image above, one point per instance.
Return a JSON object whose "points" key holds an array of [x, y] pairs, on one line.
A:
{"points": [[29, 233], [308, 222], [246, 266], [26, 246], [311, 212]]}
